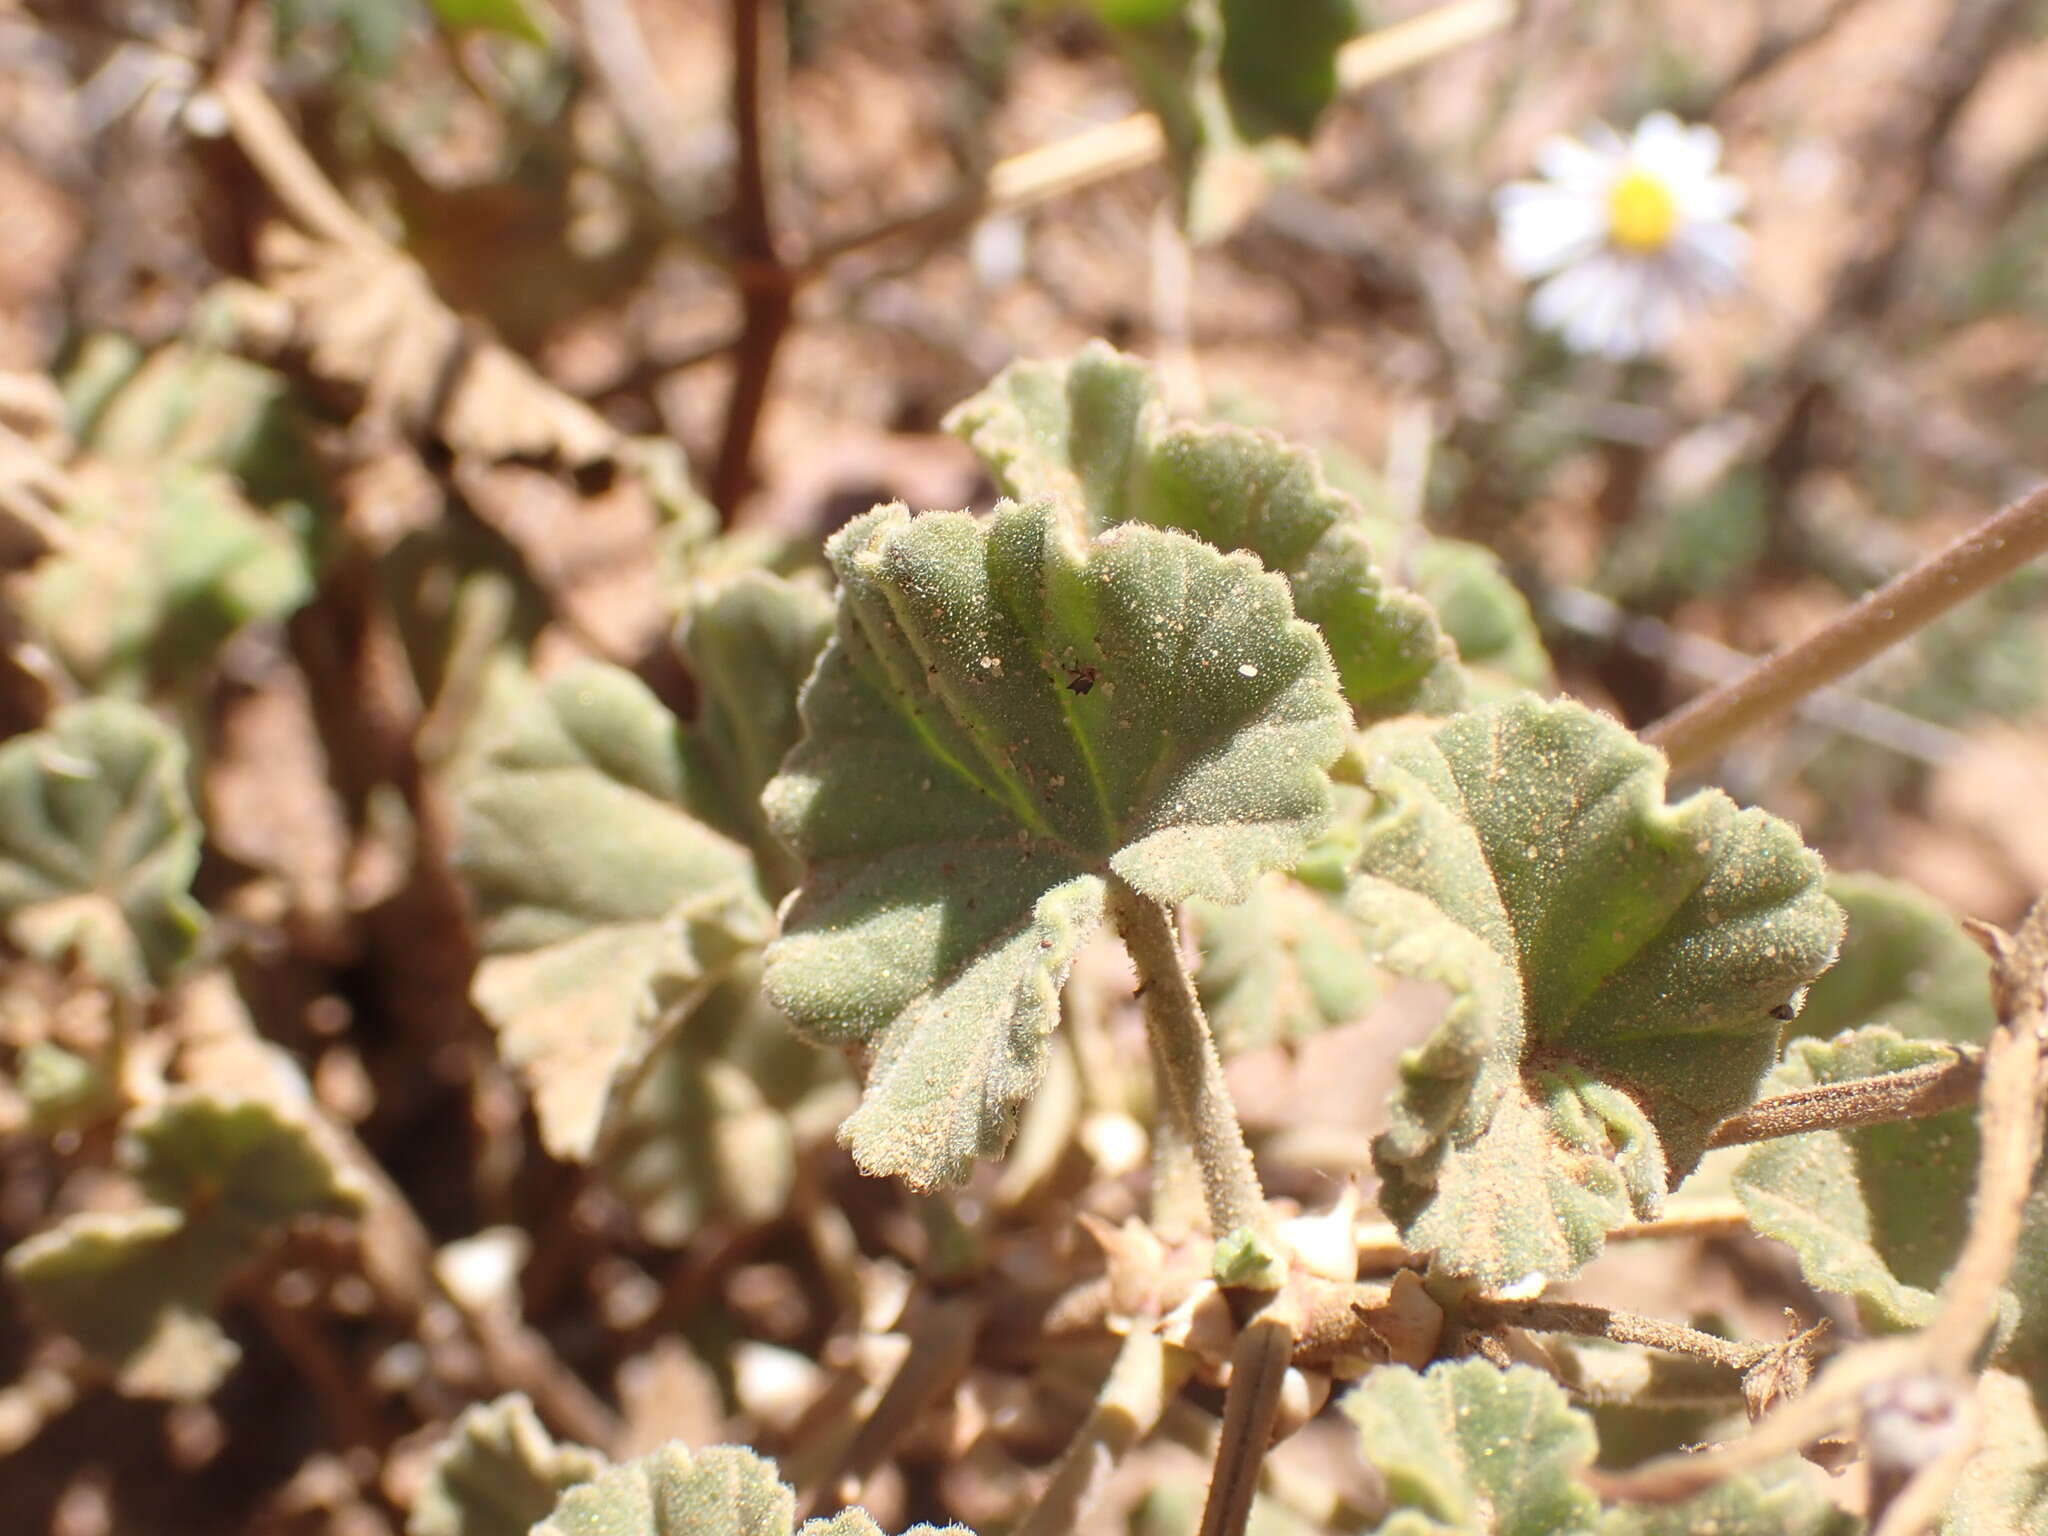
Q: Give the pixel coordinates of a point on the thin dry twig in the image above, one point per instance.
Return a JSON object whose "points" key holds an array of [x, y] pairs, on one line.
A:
{"points": [[1910, 1095], [1251, 1408], [1142, 1380], [1993, 550], [1544, 1316], [2010, 1132]]}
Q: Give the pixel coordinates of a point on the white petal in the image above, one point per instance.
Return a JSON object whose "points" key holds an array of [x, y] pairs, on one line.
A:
{"points": [[1543, 227], [1579, 164], [1713, 197], [1713, 255], [1677, 155]]}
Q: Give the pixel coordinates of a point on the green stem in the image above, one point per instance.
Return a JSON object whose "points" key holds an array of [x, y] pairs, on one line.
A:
{"points": [[1189, 1067]]}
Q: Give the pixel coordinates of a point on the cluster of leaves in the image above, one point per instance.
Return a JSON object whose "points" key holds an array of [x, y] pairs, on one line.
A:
{"points": [[1167, 675]]}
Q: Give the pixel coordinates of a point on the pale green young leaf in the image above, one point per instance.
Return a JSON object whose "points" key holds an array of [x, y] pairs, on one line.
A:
{"points": [[606, 910], [165, 564], [2003, 1490], [1092, 433], [711, 1128], [98, 843], [1007, 717], [1905, 963], [1778, 1501], [136, 1288], [724, 1490], [750, 642], [1469, 1449], [1613, 961], [513, 18], [239, 1167], [497, 1473]]}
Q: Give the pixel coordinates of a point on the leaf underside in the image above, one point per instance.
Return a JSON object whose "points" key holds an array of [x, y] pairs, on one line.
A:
{"points": [[1093, 434], [1006, 719], [1613, 962]]}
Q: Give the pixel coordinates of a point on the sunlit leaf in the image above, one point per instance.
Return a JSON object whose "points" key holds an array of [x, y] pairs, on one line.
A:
{"points": [[1481, 610], [1093, 434], [1614, 964], [98, 843], [724, 1490], [498, 1472], [1468, 1449], [1905, 963], [238, 1166], [606, 910], [514, 18], [1880, 1212], [1007, 717]]}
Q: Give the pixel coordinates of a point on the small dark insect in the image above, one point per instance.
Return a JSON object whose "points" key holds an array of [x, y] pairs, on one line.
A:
{"points": [[1785, 1012], [1080, 679]]}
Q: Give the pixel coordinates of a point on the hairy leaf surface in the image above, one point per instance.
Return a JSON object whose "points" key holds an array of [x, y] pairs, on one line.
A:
{"points": [[606, 909], [1880, 1212], [724, 1490], [1779, 1501], [1468, 1449], [2003, 1490], [1006, 717], [498, 1472], [1093, 434], [98, 843], [1905, 963], [1613, 960]]}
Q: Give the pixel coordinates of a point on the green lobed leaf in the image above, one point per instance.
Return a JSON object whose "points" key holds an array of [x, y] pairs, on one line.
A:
{"points": [[1237, 86], [1613, 963], [1469, 1449], [725, 1490], [137, 1287], [750, 642], [1482, 611], [1905, 963], [1006, 718], [606, 910], [1092, 433], [498, 1472], [1880, 1212], [98, 843], [513, 18], [1778, 1501], [165, 565]]}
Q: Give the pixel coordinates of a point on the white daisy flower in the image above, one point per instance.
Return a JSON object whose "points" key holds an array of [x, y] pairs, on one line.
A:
{"points": [[1628, 234]]}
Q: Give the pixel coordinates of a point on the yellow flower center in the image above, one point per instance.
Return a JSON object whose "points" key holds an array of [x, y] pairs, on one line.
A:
{"points": [[1642, 215]]}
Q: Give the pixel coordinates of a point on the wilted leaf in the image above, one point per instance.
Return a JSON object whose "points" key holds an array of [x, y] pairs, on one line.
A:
{"points": [[98, 843], [1775, 1502], [1092, 434], [1006, 719], [368, 318], [497, 1473], [137, 1287], [606, 910], [1905, 963], [2003, 1490], [1880, 1212], [1468, 1449], [1237, 85], [163, 565], [1614, 963], [750, 642]]}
